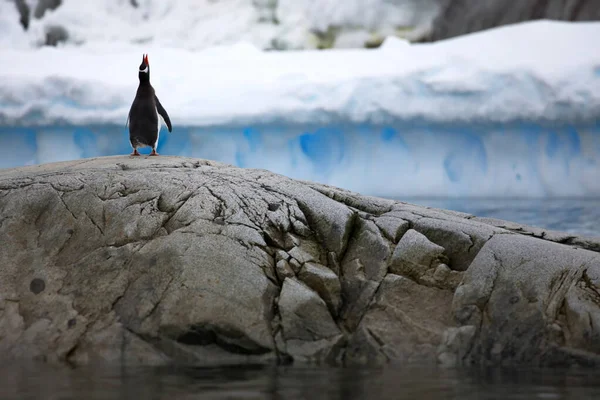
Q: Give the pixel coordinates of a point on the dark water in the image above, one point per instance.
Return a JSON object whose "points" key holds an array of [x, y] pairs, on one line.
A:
{"points": [[271, 382], [577, 216]]}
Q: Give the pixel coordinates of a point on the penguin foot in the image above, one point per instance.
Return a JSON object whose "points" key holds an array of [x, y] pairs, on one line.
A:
{"points": [[154, 153], [135, 153]]}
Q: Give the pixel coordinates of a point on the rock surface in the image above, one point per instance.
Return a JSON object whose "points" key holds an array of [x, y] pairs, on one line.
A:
{"points": [[159, 260], [459, 17]]}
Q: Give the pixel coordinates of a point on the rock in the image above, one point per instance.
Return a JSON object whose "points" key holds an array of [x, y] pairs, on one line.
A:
{"points": [[464, 16], [364, 349], [445, 278], [99, 347], [405, 323], [55, 34], [524, 286], [581, 321], [302, 255], [457, 233], [456, 343], [414, 255], [368, 204], [40, 8], [368, 246], [44, 5], [363, 267], [392, 228], [415, 249], [423, 261], [24, 13], [158, 260], [295, 265], [546, 234], [281, 255], [284, 270], [308, 327], [330, 222], [304, 315], [323, 281]]}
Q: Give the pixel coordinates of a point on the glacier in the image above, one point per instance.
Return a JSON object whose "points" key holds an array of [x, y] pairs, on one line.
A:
{"points": [[513, 111], [397, 160]]}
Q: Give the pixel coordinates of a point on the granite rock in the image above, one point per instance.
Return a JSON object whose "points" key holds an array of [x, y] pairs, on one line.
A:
{"points": [[159, 260]]}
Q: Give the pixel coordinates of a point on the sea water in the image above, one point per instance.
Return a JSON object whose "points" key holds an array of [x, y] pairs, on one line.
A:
{"points": [[295, 382], [577, 216]]}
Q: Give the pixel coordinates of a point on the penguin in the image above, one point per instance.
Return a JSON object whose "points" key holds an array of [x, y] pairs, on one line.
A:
{"points": [[146, 112]]}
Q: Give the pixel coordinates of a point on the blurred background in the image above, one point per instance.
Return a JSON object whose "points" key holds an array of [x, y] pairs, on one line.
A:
{"points": [[490, 107], [272, 24]]}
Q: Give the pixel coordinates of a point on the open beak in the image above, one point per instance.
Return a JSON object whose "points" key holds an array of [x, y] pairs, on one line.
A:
{"points": [[146, 59]]}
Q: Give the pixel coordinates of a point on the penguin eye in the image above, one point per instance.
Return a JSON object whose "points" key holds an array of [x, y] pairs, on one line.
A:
{"points": [[144, 68]]}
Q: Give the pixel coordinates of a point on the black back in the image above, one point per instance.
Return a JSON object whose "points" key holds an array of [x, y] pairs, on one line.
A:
{"points": [[143, 116]]}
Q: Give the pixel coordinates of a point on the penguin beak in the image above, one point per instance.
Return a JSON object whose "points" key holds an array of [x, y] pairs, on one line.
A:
{"points": [[144, 66]]}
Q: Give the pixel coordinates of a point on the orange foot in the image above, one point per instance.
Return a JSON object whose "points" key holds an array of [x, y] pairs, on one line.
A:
{"points": [[154, 153], [135, 153]]}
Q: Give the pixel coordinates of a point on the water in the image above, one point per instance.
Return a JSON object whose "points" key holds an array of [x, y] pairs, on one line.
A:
{"points": [[578, 216], [276, 382]]}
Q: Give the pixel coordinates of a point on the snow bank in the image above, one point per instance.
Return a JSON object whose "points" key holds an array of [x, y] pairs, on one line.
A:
{"points": [[542, 71]]}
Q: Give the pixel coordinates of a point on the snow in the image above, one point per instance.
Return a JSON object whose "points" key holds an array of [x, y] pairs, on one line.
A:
{"points": [[187, 24], [198, 24], [361, 17], [542, 71], [11, 33], [512, 111]]}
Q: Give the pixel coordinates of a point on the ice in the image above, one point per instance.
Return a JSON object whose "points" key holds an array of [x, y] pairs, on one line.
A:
{"points": [[512, 111], [398, 160]]}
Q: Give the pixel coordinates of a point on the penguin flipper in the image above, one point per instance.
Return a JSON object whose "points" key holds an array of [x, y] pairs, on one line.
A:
{"points": [[128, 117], [163, 113]]}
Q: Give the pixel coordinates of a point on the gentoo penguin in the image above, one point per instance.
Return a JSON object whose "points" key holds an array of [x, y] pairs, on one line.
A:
{"points": [[145, 113]]}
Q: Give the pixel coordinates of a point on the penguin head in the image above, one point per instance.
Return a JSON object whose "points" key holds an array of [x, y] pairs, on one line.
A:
{"points": [[144, 71]]}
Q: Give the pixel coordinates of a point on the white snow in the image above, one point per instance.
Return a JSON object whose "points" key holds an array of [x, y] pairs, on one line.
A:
{"points": [[533, 71], [11, 32], [360, 17], [189, 24], [198, 24]]}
